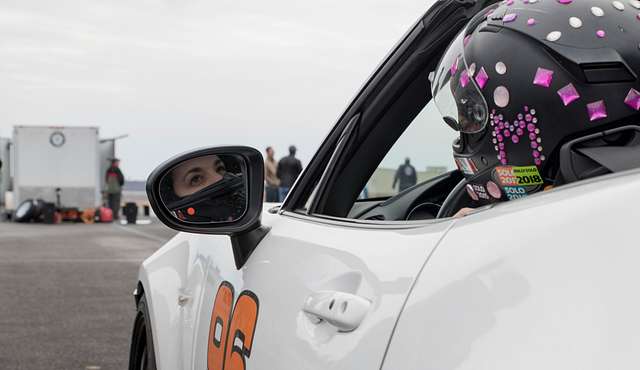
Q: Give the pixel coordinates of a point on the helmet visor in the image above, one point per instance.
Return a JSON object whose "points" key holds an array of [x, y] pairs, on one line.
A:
{"points": [[455, 89]]}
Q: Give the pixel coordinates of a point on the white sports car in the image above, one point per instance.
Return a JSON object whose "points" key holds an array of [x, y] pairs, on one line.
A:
{"points": [[348, 273]]}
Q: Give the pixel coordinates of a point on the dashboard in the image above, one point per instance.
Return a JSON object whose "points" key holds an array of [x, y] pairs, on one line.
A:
{"points": [[419, 202]]}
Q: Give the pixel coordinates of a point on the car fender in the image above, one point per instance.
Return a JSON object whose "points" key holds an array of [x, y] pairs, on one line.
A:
{"points": [[175, 273], [544, 282]]}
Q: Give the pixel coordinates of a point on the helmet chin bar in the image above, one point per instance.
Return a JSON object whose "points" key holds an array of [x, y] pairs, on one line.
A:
{"points": [[457, 145]]}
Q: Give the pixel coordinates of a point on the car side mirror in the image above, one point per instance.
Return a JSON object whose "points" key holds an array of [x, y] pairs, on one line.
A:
{"points": [[212, 191]]}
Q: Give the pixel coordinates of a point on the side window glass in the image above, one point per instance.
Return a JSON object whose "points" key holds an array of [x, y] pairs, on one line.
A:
{"points": [[422, 152]]}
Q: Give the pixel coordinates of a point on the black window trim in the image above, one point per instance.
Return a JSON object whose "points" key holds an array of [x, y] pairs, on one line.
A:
{"points": [[364, 224], [310, 176]]}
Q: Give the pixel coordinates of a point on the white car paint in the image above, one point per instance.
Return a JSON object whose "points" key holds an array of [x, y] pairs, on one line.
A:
{"points": [[298, 258], [529, 284], [545, 282]]}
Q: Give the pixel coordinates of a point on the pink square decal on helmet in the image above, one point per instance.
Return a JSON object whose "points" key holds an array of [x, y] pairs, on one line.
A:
{"points": [[568, 94], [597, 110], [482, 77], [464, 78], [454, 66], [633, 99], [543, 77]]}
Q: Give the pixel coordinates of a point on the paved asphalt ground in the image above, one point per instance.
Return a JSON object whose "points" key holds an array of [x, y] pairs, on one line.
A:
{"points": [[65, 293]]}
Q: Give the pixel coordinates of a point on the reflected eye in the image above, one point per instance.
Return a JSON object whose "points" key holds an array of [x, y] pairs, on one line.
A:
{"points": [[195, 180]]}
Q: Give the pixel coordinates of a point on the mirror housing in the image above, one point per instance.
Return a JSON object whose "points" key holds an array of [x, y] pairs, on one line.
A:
{"points": [[245, 230]]}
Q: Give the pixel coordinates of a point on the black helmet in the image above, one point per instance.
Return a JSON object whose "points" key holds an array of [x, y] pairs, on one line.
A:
{"points": [[222, 201], [526, 78]]}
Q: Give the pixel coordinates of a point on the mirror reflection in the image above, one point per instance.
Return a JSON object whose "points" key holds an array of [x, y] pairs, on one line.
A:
{"points": [[206, 189]]}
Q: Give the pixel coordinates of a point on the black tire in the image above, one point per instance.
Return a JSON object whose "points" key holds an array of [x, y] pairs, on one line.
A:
{"points": [[25, 211], [141, 354]]}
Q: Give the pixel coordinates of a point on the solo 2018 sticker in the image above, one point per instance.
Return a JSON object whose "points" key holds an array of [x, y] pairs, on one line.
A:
{"points": [[518, 176], [515, 192], [231, 329]]}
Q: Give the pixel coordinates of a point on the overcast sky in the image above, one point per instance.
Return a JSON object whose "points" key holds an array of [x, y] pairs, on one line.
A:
{"points": [[179, 74]]}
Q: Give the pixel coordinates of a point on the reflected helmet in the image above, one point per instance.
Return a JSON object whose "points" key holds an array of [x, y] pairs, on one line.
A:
{"points": [[525, 77], [222, 201]]}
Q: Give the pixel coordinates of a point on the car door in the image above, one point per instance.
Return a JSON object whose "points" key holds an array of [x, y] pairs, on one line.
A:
{"points": [[324, 291], [315, 294], [321, 290]]}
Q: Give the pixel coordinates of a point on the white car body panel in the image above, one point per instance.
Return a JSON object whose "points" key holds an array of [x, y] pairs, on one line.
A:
{"points": [[297, 258], [545, 282], [560, 293]]}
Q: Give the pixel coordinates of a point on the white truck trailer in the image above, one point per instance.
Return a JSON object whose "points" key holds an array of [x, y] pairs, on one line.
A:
{"points": [[5, 161], [50, 160]]}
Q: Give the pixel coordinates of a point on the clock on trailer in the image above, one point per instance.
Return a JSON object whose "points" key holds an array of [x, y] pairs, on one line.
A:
{"points": [[57, 139]]}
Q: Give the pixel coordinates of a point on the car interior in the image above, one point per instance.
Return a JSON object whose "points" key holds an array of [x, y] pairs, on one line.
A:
{"points": [[397, 92], [387, 105]]}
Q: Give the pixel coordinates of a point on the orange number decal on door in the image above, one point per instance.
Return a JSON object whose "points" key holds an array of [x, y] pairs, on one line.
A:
{"points": [[243, 326], [220, 318], [231, 331]]}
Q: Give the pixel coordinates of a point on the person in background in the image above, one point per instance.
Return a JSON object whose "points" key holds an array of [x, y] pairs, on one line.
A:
{"points": [[272, 182], [114, 180], [289, 168], [405, 176]]}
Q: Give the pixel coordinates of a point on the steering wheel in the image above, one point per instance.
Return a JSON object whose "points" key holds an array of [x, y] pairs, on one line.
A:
{"points": [[423, 211], [454, 201]]}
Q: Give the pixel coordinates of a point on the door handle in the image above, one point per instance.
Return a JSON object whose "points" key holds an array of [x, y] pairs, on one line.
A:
{"points": [[183, 299], [345, 311]]}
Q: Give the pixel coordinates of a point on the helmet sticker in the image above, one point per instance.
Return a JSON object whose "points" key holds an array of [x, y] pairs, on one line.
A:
{"points": [[493, 190], [464, 78], [518, 175], [466, 166], [568, 94], [471, 192], [515, 192], [524, 124], [633, 99], [472, 69], [478, 190], [482, 78], [543, 77], [597, 110], [597, 11], [554, 36], [509, 17], [618, 5], [501, 96], [575, 22], [454, 66]]}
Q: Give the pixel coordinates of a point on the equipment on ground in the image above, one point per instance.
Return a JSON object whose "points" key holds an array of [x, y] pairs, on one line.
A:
{"points": [[130, 211]]}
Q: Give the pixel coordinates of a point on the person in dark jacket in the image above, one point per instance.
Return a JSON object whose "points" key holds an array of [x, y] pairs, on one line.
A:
{"points": [[114, 180], [405, 175], [289, 168]]}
